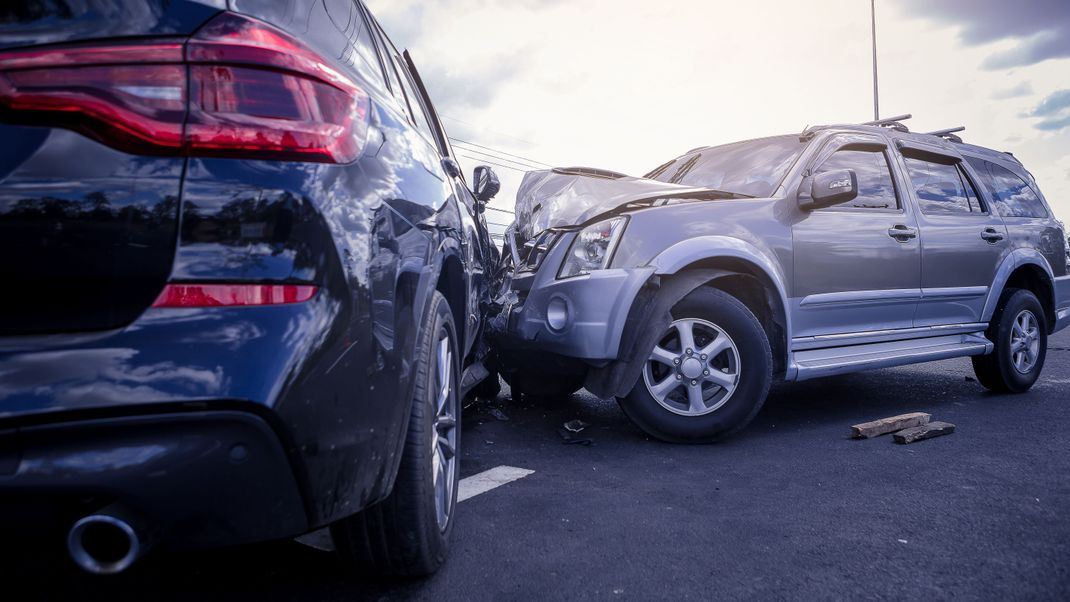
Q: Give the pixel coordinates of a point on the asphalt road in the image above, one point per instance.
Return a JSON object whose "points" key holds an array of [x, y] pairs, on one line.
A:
{"points": [[791, 508]]}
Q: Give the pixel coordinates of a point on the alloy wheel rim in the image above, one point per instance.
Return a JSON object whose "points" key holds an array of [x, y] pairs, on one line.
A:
{"points": [[693, 369], [1025, 342], [444, 435]]}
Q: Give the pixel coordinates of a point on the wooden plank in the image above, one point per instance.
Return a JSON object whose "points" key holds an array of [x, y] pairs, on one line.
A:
{"points": [[889, 425], [920, 433]]}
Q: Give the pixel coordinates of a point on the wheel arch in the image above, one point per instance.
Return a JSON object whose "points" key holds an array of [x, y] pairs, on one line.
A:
{"points": [[453, 286], [1028, 269], [743, 272], [747, 261]]}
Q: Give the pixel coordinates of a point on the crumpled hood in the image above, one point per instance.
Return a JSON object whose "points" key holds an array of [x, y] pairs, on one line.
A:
{"points": [[569, 196]]}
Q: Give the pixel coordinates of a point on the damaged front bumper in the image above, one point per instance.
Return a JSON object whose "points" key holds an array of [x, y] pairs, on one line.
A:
{"points": [[581, 317]]}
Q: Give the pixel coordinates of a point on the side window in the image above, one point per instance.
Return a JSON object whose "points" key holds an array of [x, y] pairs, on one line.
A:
{"points": [[1014, 197], [403, 88], [941, 187], [360, 53], [876, 190], [418, 113], [366, 57]]}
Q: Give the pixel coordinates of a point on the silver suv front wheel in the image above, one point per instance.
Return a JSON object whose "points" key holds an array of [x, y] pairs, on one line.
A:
{"points": [[706, 375], [694, 369]]}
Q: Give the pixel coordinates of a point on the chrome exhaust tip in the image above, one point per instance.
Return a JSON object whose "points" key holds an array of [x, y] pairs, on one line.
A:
{"points": [[104, 544]]}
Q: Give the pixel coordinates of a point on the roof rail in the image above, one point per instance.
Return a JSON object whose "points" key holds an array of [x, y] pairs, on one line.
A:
{"points": [[949, 133], [890, 121]]}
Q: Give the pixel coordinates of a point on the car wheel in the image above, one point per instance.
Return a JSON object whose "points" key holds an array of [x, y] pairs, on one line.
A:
{"points": [[707, 376], [408, 532], [1019, 333]]}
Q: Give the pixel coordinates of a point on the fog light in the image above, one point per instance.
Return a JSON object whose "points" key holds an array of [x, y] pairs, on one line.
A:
{"points": [[557, 314]]}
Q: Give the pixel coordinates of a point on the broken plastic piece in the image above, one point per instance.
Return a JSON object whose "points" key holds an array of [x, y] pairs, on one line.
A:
{"points": [[576, 426]]}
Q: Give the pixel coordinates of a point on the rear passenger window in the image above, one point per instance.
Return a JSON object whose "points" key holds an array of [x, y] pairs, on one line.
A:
{"points": [[361, 52], [875, 187], [942, 187], [1013, 195]]}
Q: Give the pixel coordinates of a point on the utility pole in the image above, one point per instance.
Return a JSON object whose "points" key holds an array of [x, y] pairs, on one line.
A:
{"points": [[873, 21]]}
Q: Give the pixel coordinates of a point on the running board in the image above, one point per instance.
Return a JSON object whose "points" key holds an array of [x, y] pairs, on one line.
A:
{"points": [[816, 363]]}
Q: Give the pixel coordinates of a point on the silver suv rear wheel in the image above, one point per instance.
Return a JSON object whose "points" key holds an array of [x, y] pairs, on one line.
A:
{"points": [[1019, 334]]}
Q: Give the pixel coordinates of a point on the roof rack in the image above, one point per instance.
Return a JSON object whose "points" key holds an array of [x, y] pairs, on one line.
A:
{"points": [[891, 122], [949, 133]]}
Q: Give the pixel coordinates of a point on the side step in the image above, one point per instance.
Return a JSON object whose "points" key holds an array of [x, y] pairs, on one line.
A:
{"points": [[816, 363]]}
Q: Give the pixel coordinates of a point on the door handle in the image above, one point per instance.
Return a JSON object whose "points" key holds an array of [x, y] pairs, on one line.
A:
{"points": [[991, 235], [902, 233]]}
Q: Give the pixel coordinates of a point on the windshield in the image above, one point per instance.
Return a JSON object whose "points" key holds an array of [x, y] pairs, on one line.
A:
{"points": [[753, 168]]}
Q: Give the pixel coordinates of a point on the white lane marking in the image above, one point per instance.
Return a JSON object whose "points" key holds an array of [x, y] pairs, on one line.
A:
{"points": [[320, 540], [489, 479], [469, 488]]}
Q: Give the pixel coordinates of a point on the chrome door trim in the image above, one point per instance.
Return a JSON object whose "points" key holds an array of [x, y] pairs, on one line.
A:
{"points": [[853, 297], [954, 292]]}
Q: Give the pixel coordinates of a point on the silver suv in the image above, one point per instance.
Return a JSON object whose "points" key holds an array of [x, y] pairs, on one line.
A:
{"points": [[847, 247]]}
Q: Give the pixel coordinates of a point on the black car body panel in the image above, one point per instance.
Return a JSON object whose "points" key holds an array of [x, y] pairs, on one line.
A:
{"points": [[90, 235]]}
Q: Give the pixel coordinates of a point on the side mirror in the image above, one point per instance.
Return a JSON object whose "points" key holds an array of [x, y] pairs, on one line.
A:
{"points": [[828, 189], [485, 183]]}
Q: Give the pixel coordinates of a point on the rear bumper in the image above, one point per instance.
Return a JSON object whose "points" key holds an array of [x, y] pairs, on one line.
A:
{"points": [[197, 479], [1062, 303]]}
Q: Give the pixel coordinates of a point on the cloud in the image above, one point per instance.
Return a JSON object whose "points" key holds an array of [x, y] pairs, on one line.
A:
{"points": [[443, 36], [1040, 28], [1017, 91], [1054, 111], [1053, 104], [1054, 124], [469, 86]]}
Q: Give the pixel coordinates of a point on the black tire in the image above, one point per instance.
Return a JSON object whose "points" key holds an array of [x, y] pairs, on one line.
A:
{"points": [[755, 374], [401, 535], [997, 371], [543, 385]]}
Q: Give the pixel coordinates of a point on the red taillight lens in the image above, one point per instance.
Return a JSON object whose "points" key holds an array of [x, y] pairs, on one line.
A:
{"points": [[222, 295], [137, 104], [238, 88]]}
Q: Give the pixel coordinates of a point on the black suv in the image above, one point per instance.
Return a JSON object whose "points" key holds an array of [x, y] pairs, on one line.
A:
{"points": [[242, 280]]}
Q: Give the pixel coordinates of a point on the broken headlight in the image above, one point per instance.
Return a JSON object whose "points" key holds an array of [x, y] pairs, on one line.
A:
{"points": [[592, 248]]}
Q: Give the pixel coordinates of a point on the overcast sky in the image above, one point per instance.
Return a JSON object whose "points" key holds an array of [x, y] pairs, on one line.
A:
{"points": [[628, 85]]}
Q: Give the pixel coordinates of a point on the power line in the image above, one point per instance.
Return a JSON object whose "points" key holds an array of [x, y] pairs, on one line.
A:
{"points": [[485, 129], [526, 159], [492, 156], [496, 164], [502, 210]]}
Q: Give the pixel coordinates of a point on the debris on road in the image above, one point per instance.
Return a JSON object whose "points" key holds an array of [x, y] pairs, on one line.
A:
{"points": [[928, 431], [576, 426], [884, 426], [570, 438], [498, 414]]}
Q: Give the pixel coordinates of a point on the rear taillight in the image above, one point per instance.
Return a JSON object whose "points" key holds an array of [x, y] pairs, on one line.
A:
{"points": [[223, 295], [237, 88]]}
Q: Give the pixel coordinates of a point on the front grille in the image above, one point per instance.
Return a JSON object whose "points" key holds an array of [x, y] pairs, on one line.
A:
{"points": [[535, 250]]}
